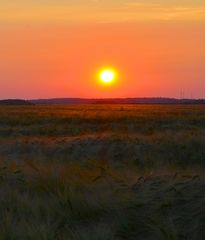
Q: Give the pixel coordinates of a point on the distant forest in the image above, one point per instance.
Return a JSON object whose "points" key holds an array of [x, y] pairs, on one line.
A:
{"points": [[102, 101]]}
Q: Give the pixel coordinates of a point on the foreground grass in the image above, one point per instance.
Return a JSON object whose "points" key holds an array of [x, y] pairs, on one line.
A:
{"points": [[102, 172]]}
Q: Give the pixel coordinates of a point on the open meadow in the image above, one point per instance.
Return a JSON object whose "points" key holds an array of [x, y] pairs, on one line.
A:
{"points": [[102, 172]]}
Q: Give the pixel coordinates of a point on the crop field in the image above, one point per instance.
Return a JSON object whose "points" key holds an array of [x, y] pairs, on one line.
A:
{"points": [[102, 172]]}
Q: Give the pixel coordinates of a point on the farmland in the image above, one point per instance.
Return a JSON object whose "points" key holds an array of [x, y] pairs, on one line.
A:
{"points": [[102, 172]]}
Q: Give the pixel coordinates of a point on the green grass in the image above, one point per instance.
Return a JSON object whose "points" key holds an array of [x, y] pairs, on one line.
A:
{"points": [[93, 172]]}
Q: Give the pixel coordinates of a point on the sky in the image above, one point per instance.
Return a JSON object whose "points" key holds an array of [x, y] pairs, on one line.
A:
{"points": [[54, 48]]}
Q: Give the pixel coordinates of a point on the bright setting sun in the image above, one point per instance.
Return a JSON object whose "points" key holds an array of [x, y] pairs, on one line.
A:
{"points": [[107, 76]]}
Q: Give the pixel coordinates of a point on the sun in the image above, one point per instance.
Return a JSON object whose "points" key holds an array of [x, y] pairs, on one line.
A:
{"points": [[107, 76]]}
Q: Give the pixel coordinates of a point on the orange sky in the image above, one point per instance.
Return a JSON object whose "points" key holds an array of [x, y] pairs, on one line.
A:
{"points": [[53, 49]]}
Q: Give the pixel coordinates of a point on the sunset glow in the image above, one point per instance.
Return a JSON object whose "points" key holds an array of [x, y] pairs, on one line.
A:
{"points": [[54, 48]]}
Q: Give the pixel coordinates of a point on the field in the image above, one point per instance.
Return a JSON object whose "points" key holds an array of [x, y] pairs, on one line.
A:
{"points": [[102, 172]]}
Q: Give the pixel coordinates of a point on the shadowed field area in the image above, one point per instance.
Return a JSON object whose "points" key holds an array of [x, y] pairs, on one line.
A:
{"points": [[102, 172]]}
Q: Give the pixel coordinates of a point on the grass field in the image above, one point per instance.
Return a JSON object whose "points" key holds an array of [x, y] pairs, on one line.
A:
{"points": [[102, 172]]}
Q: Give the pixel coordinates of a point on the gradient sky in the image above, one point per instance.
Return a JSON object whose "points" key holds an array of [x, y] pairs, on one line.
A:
{"points": [[53, 48]]}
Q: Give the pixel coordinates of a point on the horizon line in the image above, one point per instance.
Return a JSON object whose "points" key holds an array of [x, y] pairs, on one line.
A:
{"points": [[100, 98]]}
